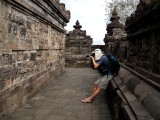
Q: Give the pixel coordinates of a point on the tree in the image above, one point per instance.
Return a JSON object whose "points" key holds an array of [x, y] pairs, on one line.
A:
{"points": [[124, 8]]}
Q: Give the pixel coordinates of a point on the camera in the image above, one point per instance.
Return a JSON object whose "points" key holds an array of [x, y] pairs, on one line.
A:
{"points": [[93, 54], [88, 55], [90, 62]]}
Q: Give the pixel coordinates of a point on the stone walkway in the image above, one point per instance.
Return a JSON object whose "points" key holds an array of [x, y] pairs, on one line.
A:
{"points": [[61, 99]]}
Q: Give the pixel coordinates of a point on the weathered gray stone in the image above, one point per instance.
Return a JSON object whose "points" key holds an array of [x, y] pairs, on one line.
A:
{"points": [[152, 103], [132, 83], [134, 99], [32, 45], [143, 37]]}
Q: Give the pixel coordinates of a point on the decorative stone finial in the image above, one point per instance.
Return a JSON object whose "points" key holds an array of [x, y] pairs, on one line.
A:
{"points": [[114, 15], [114, 11], [77, 26]]}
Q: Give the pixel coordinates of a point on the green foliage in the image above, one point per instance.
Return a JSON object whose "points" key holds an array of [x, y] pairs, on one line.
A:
{"points": [[124, 9]]}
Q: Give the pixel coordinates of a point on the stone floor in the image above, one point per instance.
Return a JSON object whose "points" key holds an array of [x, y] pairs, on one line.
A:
{"points": [[61, 99]]}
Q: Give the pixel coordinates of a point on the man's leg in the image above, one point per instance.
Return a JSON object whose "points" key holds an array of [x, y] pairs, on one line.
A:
{"points": [[94, 94], [101, 83], [94, 88]]}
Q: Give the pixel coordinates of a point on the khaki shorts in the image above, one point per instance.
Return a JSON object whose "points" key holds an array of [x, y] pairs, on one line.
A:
{"points": [[103, 81]]}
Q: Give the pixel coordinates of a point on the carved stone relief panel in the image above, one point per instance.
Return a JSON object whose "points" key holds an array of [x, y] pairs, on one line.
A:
{"points": [[56, 42], [132, 52], [6, 57], [40, 61], [25, 32], [139, 52], [53, 37], [157, 52], [17, 29], [27, 63], [24, 43], [1, 58], [2, 31], [35, 33], [143, 56], [43, 35], [6, 77], [123, 50], [3, 18], [61, 56], [57, 39], [53, 55]]}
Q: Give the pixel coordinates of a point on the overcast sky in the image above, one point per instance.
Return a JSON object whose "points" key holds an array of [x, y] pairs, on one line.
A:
{"points": [[91, 15]]}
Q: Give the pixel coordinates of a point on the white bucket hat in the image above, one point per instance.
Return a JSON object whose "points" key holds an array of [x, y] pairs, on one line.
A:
{"points": [[98, 54]]}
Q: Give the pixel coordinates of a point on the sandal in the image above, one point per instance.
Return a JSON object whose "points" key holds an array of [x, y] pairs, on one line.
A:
{"points": [[86, 100]]}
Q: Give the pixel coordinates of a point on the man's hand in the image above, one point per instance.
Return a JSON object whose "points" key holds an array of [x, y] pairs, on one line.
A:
{"points": [[91, 57], [96, 65]]}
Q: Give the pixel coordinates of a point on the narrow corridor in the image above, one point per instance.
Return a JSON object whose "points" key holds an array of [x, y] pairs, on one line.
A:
{"points": [[61, 99]]}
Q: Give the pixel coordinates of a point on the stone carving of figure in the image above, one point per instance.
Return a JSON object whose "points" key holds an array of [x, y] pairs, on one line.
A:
{"points": [[132, 51], [143, 57], [144, 52]]}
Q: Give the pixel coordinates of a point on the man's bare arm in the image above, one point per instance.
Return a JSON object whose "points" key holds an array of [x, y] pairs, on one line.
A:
{"points": [[96, 65]]}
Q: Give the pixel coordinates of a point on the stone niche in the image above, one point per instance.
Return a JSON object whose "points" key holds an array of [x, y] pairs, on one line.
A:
{"points": [[115, 39], [32, 42], [78, 45]]}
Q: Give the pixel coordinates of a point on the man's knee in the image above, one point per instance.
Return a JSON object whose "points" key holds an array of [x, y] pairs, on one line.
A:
{"points": [[95, 85]]}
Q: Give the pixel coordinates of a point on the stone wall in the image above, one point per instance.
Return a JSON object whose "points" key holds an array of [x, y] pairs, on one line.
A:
{"points": [[143, 36], [135, 91], [32, 40]]}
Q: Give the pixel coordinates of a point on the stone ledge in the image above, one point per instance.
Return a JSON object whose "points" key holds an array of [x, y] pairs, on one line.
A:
{"points": [[27, 9], [128, 113], [149, 78], [132, 107], [137, 99]]}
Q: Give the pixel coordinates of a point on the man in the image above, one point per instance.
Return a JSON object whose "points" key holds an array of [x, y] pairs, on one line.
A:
{"points": [[98, 60]]}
